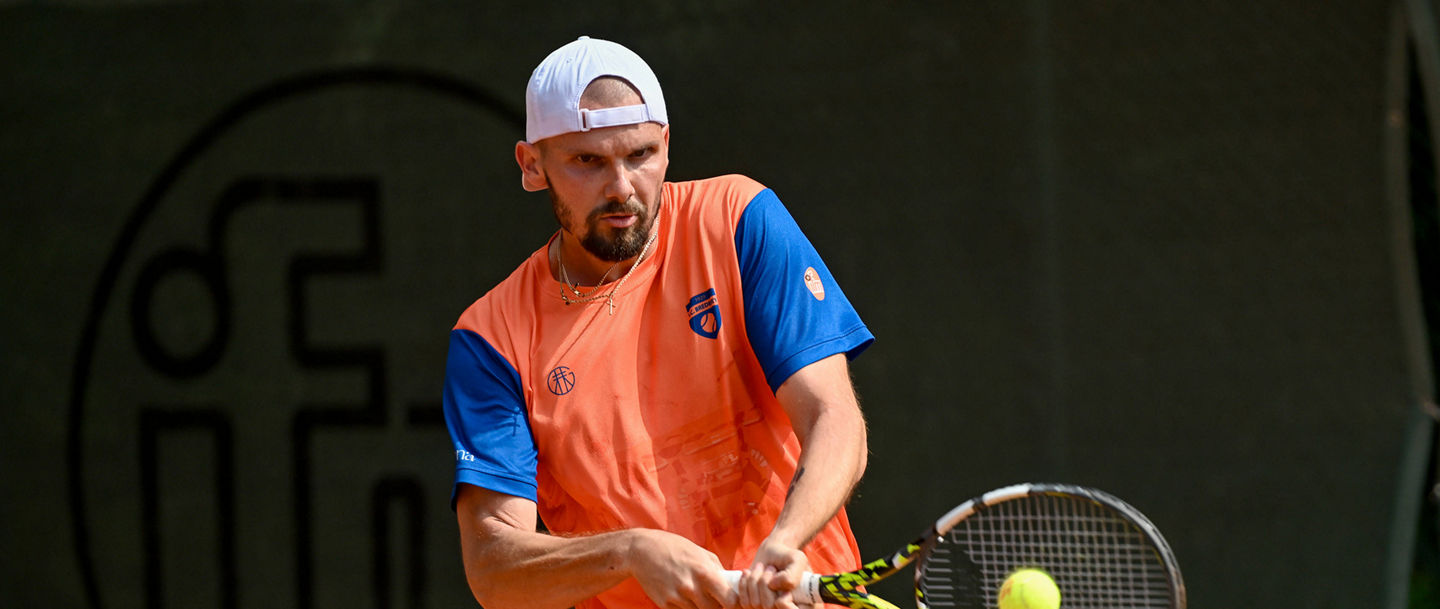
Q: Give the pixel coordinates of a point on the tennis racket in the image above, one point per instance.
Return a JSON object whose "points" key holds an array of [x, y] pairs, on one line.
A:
{"points": [[1101, 552]]}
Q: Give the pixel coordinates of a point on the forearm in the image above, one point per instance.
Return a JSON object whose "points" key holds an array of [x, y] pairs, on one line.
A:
{"points": [[512, 568], [832, 460], [826, 417]]}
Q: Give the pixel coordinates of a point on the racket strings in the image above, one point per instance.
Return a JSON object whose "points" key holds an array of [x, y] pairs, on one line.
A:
{"points": [[1097, 557]]}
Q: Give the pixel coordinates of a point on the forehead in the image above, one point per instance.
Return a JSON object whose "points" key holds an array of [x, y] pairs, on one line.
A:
{"points": [[609, 92], [620, 140]]}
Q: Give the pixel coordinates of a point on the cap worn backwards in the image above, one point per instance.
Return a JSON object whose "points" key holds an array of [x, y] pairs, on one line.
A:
{"points": [[552, 99]]}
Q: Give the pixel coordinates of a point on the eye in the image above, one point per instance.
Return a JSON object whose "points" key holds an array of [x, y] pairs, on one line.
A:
{"points": [[585, 159], [642, 153]]}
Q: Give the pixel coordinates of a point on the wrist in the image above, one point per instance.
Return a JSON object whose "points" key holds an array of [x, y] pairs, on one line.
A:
{"points": [[636, 550], [627, 552], [787, 535]]}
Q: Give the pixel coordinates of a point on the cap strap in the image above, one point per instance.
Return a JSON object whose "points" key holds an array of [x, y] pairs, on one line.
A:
{"points": [[613, 117]]}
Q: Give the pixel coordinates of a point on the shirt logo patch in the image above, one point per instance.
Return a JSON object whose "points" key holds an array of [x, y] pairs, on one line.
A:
{"points": [[704, 311], [813, 283], [560, 380]]}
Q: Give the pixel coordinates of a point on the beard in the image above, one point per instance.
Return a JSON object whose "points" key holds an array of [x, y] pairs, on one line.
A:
{"points": [[602, 241]]}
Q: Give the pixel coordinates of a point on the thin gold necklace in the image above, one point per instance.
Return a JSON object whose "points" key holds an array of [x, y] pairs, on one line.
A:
{"points": [[574, 287], [595, 294]]}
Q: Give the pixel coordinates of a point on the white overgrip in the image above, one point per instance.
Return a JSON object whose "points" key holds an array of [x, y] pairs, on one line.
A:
{"points": [[807, 593]]}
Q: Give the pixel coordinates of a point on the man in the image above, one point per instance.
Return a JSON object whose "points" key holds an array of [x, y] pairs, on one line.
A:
{"points": [[664, 384]]}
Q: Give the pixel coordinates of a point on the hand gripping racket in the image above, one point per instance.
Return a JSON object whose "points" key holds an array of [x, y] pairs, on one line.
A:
{"points": [[1101, 552]]}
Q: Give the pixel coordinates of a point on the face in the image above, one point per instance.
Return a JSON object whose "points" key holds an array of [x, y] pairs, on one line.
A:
{"points": [[604, 184]]}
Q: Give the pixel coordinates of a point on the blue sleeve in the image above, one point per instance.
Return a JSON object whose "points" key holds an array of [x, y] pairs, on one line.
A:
{"points": [[795, 312], [485, 412]]}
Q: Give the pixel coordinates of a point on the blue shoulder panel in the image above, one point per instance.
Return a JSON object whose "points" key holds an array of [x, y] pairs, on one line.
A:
{"points": [[795, 312], [485, 411]]}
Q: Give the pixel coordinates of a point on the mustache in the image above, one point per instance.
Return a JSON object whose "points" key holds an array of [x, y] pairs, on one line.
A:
{"points": [[631, 206]]}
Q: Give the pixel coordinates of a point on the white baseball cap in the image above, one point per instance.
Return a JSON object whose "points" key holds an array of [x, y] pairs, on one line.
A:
{"points": [[552, 99]]}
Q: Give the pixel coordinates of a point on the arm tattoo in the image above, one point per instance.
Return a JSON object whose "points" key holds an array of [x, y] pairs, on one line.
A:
{"points": [[794, 481]]}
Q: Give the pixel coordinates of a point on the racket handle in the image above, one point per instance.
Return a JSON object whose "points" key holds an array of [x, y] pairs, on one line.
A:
{"points": [[807, 593]]}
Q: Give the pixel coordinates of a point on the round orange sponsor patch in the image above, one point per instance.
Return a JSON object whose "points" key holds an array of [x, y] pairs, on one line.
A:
{"points": [[813, 283]]}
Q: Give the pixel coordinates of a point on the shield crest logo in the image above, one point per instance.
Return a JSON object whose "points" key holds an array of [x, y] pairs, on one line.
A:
{"points": [[704, 309]]}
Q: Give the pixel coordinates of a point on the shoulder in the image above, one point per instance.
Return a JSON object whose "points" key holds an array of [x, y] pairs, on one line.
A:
{"points": [[721, 200], [505, 307], [733, 189]]}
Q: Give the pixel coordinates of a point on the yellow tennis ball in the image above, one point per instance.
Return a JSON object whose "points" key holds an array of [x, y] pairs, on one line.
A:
{"points": [[1029, 589]]}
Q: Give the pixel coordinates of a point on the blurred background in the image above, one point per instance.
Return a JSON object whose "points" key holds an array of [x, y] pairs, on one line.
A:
{"points": [[1182, 252]]}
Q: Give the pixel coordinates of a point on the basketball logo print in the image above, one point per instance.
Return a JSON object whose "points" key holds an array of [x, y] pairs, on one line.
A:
{"points": [[704, 309], [560, 380], [813, 283]]}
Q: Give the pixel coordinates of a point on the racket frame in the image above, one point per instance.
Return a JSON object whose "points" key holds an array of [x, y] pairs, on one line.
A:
{"points": [[847, 588], [946, 523]]}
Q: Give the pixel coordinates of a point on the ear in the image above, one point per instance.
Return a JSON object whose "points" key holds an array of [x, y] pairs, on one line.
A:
{"points": [[532, 178], [666, 136]]}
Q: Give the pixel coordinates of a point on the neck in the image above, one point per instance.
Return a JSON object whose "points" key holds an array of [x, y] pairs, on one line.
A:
{"points": [[572, 263], [596, 293]]}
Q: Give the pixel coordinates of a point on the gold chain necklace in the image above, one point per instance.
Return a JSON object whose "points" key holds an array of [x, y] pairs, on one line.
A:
{"points": [[594, 294]]}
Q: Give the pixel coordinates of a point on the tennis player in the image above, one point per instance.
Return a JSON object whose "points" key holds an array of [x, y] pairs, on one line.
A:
{"points": [[663, 384]]}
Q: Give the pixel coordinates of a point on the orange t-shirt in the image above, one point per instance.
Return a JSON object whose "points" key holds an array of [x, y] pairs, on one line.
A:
{"points": [[661, 414]]}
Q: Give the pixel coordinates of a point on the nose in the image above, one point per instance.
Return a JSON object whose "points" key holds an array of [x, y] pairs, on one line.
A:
{"points": [[621, 183]]}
